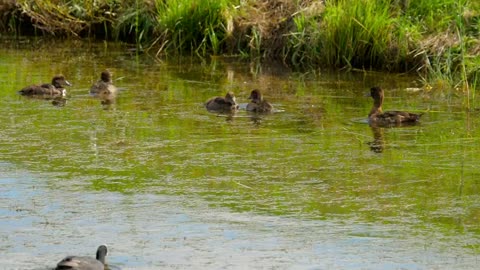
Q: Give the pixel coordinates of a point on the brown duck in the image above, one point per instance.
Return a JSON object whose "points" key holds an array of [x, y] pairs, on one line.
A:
{"points": [[257, 103], [53, 89], [104, 86], [222, 104], [377, 117]]}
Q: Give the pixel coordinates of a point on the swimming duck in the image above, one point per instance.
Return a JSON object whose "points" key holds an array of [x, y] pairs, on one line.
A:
{"points": [[223, 104], [377, 117], [104, 86], [257, 103], [53, 89], [83, 262]]}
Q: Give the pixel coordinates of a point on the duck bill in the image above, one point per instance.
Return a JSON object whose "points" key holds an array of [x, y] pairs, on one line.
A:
{"points": [[68, 83]]}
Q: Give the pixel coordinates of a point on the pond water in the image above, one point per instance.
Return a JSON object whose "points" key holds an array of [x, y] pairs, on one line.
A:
{"points": [[167, 185]]}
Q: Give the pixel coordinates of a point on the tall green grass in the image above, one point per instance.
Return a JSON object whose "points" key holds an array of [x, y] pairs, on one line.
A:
{"points": [[439, 39], [352, 34], [357, 34], [434, 15], [435, 38], [303, 44], [187, 25], [452, 35], [136, 23]]}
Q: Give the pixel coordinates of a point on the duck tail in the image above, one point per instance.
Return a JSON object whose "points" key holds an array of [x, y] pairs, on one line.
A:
{"points": [[23, 92]]}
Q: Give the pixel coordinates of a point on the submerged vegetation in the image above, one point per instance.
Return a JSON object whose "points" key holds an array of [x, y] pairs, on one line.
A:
{"points": [[439, 39]]}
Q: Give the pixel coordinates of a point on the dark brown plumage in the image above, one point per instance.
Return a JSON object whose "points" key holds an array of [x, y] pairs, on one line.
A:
{"points": [[257, 103], [104, 86], [53, 89], [222, 104], [377, 117]]}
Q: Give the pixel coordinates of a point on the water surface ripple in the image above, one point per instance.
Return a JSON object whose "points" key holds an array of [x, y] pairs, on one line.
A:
{"points": [[167, 185]]}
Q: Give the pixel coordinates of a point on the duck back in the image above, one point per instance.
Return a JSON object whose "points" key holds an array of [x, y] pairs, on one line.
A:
{"points": [[49, 89], [394, 118], [260, 107], [222, 104], [80, 263], [84, 262], [37, 90]]}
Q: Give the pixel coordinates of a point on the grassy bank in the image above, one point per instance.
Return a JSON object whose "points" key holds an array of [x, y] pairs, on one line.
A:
{"points": [[439, 39]]}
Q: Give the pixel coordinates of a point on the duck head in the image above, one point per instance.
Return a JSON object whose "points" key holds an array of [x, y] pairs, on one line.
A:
{"points": [[377, 94], [230, 97], [106, 76], [102, 252], [256, 96], [59, 81]]}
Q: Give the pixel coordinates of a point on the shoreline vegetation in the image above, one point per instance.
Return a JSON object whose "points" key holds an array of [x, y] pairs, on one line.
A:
{"points": [[437, 39]]}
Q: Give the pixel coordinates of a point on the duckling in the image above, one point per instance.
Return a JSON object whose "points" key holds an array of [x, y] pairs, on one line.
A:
{"points": [[53, 89], [377, 117], [83, 262], [104, 86], [222, 104], [257, 103]]}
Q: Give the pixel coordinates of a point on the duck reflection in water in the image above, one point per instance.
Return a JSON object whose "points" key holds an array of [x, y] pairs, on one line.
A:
{"points": [[256, 119], [107, 102], [59, 101], [378, 143]]}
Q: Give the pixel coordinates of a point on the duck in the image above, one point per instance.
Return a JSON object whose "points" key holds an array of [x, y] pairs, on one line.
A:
{"points": [[257, 103], [49, 89], [222, 104], [84, 262], [104, 86], [377, 117]]}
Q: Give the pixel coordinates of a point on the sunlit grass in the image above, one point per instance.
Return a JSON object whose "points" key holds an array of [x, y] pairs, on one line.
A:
{"points": [[136, 24], [434, 15], [191, 25], [357, 34], [438, 39]]}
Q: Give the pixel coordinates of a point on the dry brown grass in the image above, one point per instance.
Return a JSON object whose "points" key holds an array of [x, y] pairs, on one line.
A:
{"points": [[52, 17], [474, 47], [59, 17], [265, 23], [439, 43], [7, 8]]}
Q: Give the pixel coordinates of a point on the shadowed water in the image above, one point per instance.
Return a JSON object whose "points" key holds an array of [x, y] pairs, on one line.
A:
{"points": [[166, 184]]}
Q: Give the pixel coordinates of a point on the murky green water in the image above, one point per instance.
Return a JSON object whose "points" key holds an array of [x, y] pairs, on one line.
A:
{"points": [[167, 184]]}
